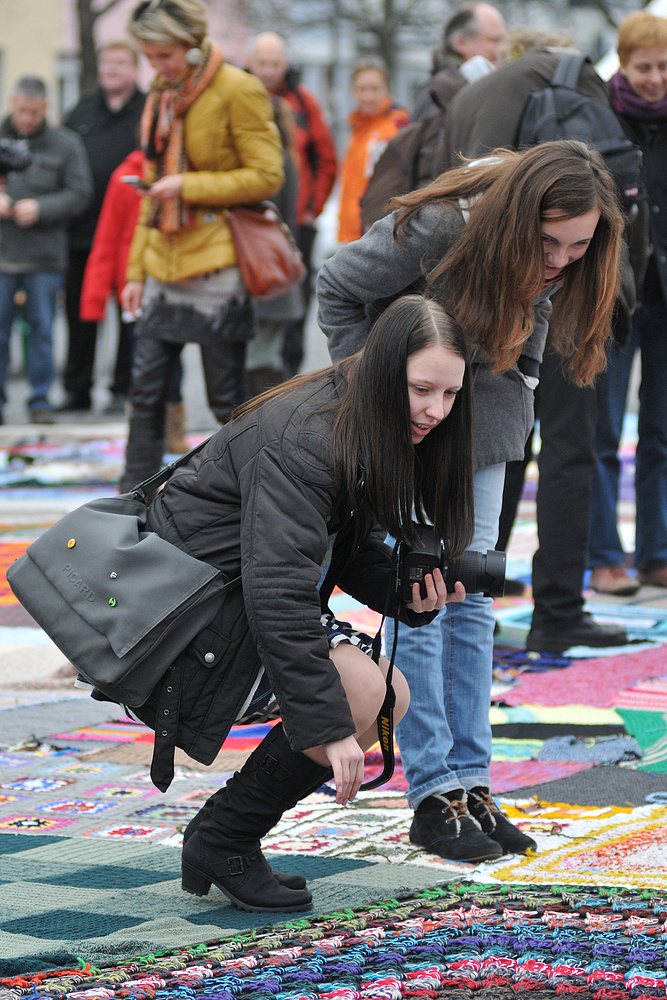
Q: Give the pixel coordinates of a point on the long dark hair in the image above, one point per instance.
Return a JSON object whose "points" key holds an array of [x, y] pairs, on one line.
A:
{"points": [[495, 269], [372, 437]]}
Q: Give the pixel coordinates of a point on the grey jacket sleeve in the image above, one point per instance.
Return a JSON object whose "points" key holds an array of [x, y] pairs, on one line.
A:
{"points": [[363, 277], [76, 191]]}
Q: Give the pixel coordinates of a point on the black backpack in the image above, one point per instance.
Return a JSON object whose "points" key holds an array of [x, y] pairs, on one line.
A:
{"points": [[400, 168], [559, 112]]}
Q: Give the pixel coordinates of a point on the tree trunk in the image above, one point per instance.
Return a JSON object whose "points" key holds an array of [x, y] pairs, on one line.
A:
{"points": [[88, 50], [88, 66]]}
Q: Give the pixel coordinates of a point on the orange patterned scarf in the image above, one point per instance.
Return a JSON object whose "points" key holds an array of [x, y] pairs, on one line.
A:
{"points": [[163, 134]]}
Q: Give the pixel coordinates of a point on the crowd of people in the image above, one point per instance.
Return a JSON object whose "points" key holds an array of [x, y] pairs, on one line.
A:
{"points": [[446, 344]]}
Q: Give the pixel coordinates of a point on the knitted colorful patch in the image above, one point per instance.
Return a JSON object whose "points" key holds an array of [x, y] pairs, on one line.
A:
{"points": [[579, 684], [619, 853], [457, 939], [123, 731], [649, 693]]}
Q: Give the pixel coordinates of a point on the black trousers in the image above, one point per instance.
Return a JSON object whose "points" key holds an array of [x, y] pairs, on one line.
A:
{"points": [[293, 343], [83, 338], [567, 416], [152, 376]]}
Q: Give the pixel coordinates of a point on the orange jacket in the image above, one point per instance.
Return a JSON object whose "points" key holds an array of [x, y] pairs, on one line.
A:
{"points": [[370, 135]]}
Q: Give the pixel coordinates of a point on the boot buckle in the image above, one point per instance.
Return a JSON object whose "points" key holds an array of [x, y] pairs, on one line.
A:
{"points": [[235, 865]]}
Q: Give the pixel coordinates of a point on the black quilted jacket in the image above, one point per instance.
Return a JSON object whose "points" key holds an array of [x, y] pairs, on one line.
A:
{"points": [[259, 502]]}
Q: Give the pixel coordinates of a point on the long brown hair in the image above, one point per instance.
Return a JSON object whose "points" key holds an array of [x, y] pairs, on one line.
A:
{"points": [[495, 270], [371, 441]]}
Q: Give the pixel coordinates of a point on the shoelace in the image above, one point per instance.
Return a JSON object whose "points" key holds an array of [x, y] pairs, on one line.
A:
{"points": [[487, 804], [458, 808]]}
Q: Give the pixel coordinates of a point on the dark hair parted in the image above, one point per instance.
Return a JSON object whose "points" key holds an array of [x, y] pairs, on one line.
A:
{"points": [[372, 429], [492, 275]]}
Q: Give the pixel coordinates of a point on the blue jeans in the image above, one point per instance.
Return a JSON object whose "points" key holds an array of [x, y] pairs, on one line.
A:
{"points": [[445, 736], [41, 288], [649, 336]]}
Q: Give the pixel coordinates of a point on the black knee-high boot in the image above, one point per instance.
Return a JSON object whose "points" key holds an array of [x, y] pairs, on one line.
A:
{"points": [[291, 880], [224, 847]]}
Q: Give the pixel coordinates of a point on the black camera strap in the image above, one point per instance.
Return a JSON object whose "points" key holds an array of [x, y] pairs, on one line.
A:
{"points": [[385, 719]]}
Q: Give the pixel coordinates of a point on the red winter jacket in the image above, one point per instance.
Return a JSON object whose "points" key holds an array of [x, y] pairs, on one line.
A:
{"points": [[107, 261], [317, 152]]}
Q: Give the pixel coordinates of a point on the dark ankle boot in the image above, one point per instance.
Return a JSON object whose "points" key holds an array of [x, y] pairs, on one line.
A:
{"points": [[443, 825], [224, 847], [495, 824]]}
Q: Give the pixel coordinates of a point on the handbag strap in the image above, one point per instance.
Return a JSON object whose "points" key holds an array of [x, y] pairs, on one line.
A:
{"points": [[143, 490]]}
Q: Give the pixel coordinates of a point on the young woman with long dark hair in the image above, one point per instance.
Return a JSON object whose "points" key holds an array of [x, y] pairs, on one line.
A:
{"points": [[293, 497], [492, 241]]}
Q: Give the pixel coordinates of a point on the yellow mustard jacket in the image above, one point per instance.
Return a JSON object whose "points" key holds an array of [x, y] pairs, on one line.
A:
{"points": [[234, 147]]}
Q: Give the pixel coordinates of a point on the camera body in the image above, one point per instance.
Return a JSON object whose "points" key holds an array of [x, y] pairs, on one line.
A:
{"points": [[14, 155], [479, 572]]}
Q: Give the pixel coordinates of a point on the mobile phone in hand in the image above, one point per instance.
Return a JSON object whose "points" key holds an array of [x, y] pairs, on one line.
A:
{"points": [[137, 182]]}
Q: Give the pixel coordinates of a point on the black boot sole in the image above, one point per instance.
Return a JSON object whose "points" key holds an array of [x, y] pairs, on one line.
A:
{"points": [[486, 856], [199, 884]]}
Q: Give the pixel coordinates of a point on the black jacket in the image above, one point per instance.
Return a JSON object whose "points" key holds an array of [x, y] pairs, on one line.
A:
{"points": [[652, 140], [108, 136], [260, 501], [485, 114]]}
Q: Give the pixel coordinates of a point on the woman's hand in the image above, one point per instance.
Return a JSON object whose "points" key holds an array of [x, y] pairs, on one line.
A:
{"points": [[347, 760], [167, 187], [436, 594], [130, 297]]}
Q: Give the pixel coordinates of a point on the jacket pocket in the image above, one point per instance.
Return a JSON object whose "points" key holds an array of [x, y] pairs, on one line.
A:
{"points": [[45, 174]]}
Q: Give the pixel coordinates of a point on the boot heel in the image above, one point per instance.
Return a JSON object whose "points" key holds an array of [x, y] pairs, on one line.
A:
{"points": [[193, 881]]}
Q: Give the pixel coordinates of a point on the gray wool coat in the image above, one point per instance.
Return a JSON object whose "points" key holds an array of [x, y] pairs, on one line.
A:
{"points": [[362, 278]]}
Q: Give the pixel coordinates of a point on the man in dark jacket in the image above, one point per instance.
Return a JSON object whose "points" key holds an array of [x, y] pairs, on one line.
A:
{"points": [[108, 122], [35, 208], [474, 29], [481, 117]]}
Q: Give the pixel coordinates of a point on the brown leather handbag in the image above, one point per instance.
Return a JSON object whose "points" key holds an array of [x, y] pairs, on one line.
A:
{"points": [[267, 256]]}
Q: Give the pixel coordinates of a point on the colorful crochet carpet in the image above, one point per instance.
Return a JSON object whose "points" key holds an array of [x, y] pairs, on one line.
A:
{"points": [[90, 872], [456, 940]]}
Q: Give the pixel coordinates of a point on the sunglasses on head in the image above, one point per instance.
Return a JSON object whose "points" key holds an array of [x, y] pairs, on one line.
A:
{"points": [[152, 5]]}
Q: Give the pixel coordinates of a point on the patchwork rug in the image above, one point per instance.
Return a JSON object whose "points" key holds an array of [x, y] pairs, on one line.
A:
{"points": [[456, 939], [619, 853]]}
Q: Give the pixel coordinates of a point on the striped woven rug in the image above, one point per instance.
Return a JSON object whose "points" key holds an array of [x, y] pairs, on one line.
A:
{"points": [[456, 940]]}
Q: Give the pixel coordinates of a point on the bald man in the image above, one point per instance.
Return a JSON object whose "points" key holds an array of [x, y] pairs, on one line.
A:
{"points": [[317, 163], [474, 29]]}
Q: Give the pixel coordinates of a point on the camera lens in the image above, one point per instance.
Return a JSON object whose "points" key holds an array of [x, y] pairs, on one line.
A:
{"points": [[479, 572]]}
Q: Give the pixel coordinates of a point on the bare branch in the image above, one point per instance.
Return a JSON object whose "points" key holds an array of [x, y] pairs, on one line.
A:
{"points": [[105, 8]]}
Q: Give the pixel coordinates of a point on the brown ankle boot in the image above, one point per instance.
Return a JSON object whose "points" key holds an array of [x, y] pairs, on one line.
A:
{"points": [[174, 429]]}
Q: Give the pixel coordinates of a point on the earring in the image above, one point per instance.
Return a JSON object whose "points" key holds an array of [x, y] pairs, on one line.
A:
{"points": [[193, 56]]}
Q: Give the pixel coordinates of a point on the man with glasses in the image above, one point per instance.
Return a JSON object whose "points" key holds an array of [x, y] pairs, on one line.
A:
{"points": [[474, 29]]}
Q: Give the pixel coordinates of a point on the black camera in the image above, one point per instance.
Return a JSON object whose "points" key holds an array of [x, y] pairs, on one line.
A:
{"points": [[14, 155], [479, 572]]}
